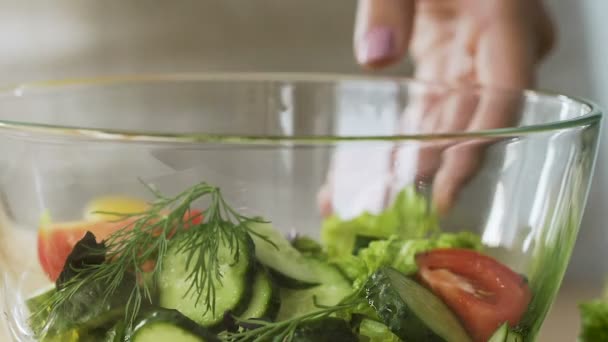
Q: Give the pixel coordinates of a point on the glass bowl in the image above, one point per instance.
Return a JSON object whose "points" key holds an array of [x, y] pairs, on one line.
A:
{"points": [[189, 206]]}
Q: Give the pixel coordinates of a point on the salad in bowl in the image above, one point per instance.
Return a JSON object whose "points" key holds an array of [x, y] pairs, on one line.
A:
{"points": [[167, 271], [286, 207]]}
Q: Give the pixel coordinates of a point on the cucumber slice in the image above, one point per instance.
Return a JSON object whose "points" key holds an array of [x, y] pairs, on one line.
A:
{"points": [[169, 325], [297, 302], [411, 311], [500, 335], [376, 331], [232, 295], [116, 333], [308, 247], [289, 283], [290, 267], [327, 329], [504, 334], [265, 300], [514, 337]]}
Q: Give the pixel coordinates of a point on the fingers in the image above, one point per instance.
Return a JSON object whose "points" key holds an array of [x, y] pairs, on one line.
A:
{"points": [[505, 58], [324, 199], [460, 162], [545, 29], [455, 115], [448, 59], [496, 109], [508, 49], [383, 30]]}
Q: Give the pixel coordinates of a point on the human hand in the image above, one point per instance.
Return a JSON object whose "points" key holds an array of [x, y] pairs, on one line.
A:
{"points": [[480, 46]]}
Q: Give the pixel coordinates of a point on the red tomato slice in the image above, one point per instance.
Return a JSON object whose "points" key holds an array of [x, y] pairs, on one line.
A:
{"points": [[56, 241], [481, 291]]}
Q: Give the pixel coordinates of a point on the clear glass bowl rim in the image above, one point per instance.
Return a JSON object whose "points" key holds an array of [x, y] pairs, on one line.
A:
{"points": [[593, 114]]}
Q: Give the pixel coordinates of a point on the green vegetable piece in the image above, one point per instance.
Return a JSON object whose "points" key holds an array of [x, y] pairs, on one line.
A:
{"points": [[362, 241], [86, 311], [500, 335], [296, 303], [293, 267], [514, 337], [233, 295], [409, 217], [594, 321], [410, 311], [161, 325], [265, 300], [376, 331], [308, 247], [86, 252], [116, 333], [400, 254], [327, 329]]}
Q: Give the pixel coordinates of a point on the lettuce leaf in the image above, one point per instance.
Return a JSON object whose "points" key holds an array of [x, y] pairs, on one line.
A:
{"points": [[400, 254], [409, 217], [594, 321]]}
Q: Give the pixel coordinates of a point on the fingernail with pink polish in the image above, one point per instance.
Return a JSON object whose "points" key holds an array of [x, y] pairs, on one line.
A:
{"points": [[376, 45]]}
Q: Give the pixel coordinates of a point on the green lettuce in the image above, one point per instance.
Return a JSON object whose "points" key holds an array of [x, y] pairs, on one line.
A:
{"points": [[594, 321], [391, 238], [400, 254], [409, 217]]}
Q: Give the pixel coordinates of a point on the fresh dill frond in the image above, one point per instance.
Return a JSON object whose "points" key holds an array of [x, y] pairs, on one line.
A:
{"points": [[145, 239]]}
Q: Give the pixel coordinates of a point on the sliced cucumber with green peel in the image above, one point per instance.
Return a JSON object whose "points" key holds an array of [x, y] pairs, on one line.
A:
{"points": [[162, 325], [116, 333], [265, 300], [300, 302], [504, 334], [500, 335], [411, 311], [376, 331], [308, 247], [289, 283], [514, 337], [326, 329], [295, 269], [232, 295]]}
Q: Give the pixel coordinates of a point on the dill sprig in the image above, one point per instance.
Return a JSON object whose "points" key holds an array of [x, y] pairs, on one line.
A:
{"points": [[284, 330], [146, 238]]}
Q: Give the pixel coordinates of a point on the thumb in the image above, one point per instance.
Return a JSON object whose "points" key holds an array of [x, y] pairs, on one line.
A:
{"points": [[383, 29]]}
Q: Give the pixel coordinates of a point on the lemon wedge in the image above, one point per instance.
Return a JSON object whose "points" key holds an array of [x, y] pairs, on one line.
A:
{"points": [[113, 204]]}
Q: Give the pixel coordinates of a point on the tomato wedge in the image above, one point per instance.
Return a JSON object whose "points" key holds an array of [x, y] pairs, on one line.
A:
{"points": [[56, 241], [481, 291]]}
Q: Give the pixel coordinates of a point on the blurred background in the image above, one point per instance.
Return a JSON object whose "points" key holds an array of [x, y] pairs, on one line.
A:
{"points": [[63, 38]]}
